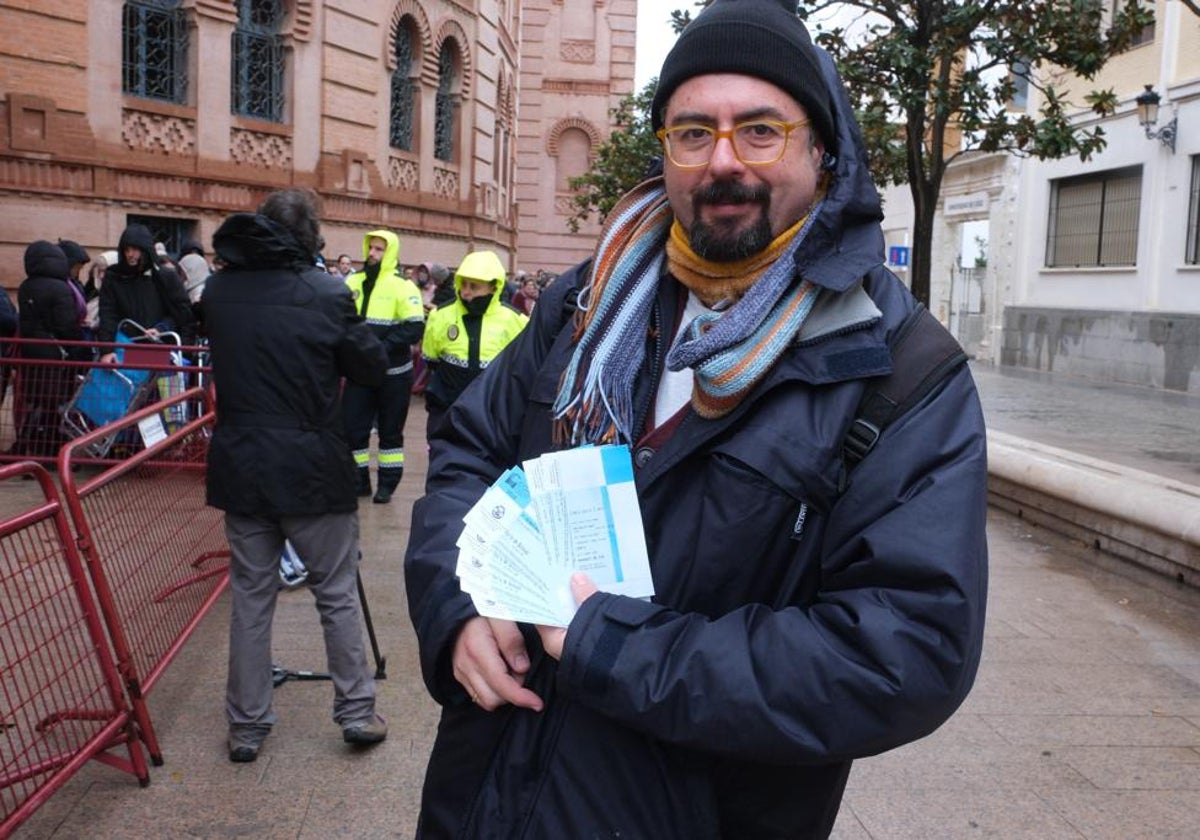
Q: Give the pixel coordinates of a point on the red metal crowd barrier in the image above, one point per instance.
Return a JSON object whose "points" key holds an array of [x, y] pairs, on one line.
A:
{"points": [[63, 701], [155, 551], [48, 401]]}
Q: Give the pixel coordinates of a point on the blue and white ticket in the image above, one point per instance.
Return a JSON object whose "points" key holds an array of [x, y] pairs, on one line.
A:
{"points": [[530, 531]]}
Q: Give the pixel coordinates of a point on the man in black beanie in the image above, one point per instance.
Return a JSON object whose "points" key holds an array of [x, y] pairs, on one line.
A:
{"points": [[819, 578]]}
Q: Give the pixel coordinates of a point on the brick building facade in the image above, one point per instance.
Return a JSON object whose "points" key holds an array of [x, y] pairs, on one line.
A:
{"points": [[436, 118]]}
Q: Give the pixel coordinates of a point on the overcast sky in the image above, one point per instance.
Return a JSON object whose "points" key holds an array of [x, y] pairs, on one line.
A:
{"points": [[654, 37]]}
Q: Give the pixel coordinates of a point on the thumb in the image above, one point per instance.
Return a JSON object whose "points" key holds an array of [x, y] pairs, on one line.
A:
{"points": [[582, 587]]}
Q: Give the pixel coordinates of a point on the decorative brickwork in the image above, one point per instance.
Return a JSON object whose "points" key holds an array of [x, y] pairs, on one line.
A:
{"points": [[424, 45], [302, 20], [19, 174], [571, 122], [451, 29], [154, 187], [578, 52], [256, 148], [574, 86], [563, 204], [403, 174], [229, 195], [445, 183], [143, 131]]}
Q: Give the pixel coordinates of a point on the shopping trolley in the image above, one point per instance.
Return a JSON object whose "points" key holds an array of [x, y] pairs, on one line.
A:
{"points": [[109, 392]]}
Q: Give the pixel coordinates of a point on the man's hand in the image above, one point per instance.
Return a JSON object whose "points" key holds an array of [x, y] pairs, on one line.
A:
{"points": [[553, 637], [490, 662]]}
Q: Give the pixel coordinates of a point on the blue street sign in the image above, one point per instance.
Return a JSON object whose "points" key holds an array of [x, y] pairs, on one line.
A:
{"points": [[898, 256]]}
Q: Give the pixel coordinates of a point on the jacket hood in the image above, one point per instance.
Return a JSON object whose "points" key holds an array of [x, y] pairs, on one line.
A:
{"points": [[76, 254], [484, 266], [195, 270], [139, 236], [391, 253], [45, 259], [248, 240], [846, 240]]}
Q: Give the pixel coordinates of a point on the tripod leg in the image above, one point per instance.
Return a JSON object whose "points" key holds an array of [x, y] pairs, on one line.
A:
{"points": [[380, 661]]}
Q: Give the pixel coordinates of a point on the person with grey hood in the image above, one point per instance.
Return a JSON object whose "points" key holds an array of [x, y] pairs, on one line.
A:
{"points": [[139, 290], [806, 611]]}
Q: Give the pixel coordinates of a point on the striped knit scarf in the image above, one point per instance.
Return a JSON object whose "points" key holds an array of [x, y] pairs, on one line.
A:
{"points": [[730, 351]]}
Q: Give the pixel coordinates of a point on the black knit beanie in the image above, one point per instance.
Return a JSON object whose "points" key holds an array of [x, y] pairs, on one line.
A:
{"points": [[760, 38]]}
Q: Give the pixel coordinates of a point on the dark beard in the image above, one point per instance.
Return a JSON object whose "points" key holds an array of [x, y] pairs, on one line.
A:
{"points": [[714, 242]]}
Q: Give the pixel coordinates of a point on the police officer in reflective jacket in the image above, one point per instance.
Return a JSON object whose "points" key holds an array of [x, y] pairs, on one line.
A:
{"points": [[395, 312]]}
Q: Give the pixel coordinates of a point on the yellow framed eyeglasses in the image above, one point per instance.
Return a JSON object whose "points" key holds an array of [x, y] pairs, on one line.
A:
{"points": [[755, 142]]}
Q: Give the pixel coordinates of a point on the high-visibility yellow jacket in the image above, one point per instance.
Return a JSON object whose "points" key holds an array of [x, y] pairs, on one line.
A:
{"points": [[393, 306], [458, 346]]}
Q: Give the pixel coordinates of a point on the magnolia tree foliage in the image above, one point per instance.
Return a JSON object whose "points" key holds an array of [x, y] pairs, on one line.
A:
{"points": [[620, 162], [920, 73]]}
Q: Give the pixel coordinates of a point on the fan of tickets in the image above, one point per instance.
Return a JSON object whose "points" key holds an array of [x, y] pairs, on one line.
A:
{"points": [[564, 512]]}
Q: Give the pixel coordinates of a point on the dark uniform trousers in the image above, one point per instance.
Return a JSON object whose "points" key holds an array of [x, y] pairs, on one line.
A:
{"points": [[387, 408]]}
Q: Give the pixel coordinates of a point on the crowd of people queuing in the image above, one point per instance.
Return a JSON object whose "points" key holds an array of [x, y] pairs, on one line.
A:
{"points": [[70, 296]]}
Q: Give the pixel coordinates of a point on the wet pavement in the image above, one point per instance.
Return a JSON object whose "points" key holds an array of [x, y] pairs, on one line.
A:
{"points": [[1084, 722], [1145, 428]]}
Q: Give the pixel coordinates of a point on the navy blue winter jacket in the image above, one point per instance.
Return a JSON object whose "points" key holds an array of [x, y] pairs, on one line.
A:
{"points": [[795, 627]]}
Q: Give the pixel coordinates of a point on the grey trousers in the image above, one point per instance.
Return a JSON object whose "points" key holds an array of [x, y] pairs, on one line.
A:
{"points": [[328, 545]]}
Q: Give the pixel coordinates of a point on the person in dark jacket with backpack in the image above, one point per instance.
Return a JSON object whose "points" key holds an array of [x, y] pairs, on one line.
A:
{"points": [[282, 334], [46, 310], [137, 289], [807, 611]]}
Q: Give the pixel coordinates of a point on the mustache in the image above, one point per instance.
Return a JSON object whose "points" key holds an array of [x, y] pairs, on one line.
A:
{"points": [[732, 192]]}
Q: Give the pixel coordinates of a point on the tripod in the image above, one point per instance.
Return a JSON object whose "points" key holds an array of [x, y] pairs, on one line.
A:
{"points": [[280, 675]]}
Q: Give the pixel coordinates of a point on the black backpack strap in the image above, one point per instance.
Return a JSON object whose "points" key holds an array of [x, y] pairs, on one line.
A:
{"points": [[570, 303], [923, 355]]}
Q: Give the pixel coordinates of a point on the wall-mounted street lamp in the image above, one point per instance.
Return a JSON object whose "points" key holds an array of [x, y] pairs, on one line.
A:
{"points": [[1147, 105]]}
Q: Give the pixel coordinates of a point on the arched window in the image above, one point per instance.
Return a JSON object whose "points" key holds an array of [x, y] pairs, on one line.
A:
{"points": [[258, 60], [574, 147], [446, 112], [400, 133], [154, 50]]}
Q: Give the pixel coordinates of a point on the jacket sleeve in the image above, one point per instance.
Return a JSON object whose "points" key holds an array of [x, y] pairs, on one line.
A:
{"points": [[109, 314], [410, 326], [883, 654], [431, 340], [466, 456], [179, 305], [360, 354], [64, 317]]}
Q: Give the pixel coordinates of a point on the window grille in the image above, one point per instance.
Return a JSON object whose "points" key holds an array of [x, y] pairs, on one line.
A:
{"points": [[1094, 219], [154, 50], [1192, 257], [171, 232], [258, 60], [401, 131], [443, 131]]}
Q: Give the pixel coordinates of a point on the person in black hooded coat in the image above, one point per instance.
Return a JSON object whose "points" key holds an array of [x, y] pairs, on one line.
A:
{"points": [[282, 332], [47, 311], [139, 290]]}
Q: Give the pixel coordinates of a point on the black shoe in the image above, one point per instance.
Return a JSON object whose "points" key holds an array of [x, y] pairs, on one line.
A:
{"points": [[383, 495], [365, 732], [244, 743]]}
